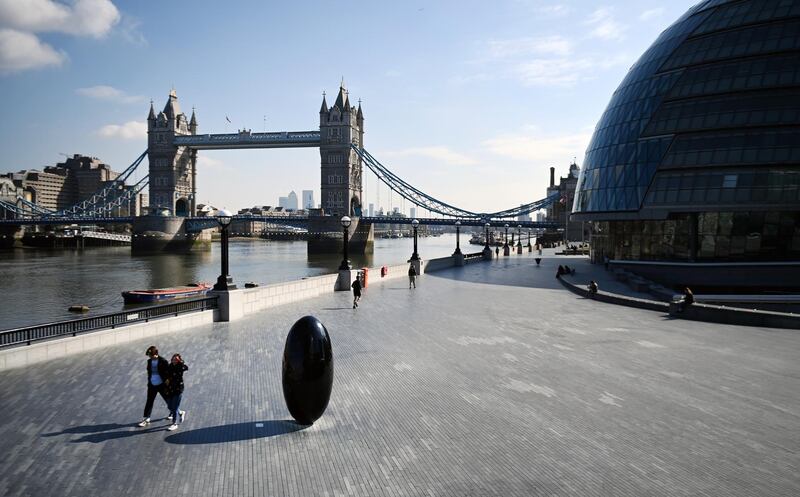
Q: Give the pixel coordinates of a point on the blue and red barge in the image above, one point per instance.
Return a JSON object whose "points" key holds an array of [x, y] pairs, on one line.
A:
{"points": [[161, 294]]}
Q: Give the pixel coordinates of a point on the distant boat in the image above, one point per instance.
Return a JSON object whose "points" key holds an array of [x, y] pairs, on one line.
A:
{"points": [[159, 294]]}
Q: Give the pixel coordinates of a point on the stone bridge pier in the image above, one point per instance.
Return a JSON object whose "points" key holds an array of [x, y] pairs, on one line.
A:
{"points": [[10, 235], [325, 236], [152, 234]]}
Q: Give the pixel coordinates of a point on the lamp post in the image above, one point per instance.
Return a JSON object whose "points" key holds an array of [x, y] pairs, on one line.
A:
{"points": [[415, 255], [345, 261], [224, 282], [506, 248], [530, 247], [506, 243], [519, 238], [486, 225], [458, 236]]}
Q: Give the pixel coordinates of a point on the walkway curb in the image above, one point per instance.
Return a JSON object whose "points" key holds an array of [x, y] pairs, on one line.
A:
{"points": [[696, 312], [613, 298]]}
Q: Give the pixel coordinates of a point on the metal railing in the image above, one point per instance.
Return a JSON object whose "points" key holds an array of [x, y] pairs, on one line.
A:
{"points": [[473, 257], [39, 332]]}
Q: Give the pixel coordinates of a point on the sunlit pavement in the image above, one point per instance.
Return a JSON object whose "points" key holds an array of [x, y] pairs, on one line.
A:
{"points": [[490, 379]]}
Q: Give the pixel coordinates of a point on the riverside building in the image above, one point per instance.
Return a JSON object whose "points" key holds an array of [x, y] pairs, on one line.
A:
{"points": [[697, 156]]}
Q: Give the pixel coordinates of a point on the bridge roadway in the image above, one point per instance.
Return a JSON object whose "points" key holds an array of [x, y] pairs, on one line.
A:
{"points": [[209, 222], [486, 380], [248, 139]]}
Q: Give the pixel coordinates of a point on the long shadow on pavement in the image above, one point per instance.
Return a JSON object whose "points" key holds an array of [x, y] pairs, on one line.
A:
{"points": [[113, 435], [235, 432], [89, 429]]}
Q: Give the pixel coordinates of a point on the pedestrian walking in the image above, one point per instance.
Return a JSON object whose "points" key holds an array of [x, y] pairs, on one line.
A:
{"points": [[497, 251], [356, 292], [412, 276], [173, 390], [157, 372]]}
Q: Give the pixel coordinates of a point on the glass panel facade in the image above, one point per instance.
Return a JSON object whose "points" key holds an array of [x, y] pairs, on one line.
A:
{"points": [[760, 108], [718, 90], [776, 71], [741, 147], [736, 14], [750, 236], [740, 187], [752, 40]]}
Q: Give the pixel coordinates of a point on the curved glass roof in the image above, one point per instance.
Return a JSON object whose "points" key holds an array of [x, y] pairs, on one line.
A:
{"points": [[716, 89]]}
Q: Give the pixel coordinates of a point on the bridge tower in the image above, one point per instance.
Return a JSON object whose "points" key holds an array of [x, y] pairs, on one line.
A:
{"points": [[339, 126], [172, 168]]}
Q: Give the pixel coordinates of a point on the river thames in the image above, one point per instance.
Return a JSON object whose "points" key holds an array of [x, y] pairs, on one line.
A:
{"points": [[39, 285]]}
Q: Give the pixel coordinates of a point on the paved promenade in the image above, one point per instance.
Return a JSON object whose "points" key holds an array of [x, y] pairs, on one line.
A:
{"points": [[490, 379]]}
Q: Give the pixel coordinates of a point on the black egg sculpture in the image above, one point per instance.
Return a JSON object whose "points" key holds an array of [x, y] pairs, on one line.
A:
{"points": [[307, 370]]}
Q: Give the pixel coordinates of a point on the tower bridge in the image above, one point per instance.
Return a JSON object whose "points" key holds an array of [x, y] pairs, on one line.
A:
{"points": [[172, 147]]}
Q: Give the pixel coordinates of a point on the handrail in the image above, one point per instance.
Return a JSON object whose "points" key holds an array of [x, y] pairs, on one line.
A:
{"points": [[28, 334], [473, 255]]}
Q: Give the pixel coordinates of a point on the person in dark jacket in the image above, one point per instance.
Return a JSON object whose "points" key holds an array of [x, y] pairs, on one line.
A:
{"points": [[157, 373], [412, 276], [173, 390], [356, 292]]}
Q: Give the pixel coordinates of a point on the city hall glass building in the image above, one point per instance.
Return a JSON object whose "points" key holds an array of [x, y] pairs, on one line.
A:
{"points": [[697, 157]]}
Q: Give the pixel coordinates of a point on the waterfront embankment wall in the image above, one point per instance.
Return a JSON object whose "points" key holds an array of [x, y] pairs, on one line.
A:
{"points": [[25, 355], [238, 303], [232, 305]]}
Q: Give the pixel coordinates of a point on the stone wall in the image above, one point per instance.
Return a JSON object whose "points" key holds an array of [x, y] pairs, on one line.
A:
{"points": [[25, 355]]}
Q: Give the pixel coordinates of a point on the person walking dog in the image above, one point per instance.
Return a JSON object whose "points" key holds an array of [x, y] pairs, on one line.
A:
{"points": [[157, 372], [173, 389]]}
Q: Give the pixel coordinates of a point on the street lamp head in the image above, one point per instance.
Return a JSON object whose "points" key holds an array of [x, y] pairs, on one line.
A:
{"points": [[519, 226], [487, 225], [506, 225], [346, 221], [224, 217], [415, 223], [458, 223]]}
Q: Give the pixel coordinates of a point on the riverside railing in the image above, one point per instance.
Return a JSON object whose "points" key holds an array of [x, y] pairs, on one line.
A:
{"points": [[473, 257], [29, 334]]}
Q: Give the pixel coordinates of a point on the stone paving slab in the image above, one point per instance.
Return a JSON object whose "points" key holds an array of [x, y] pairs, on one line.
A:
{"points": [[490, 379]]}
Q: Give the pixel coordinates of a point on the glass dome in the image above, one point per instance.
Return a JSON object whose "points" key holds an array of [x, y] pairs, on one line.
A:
{"points": [[707, 119]]}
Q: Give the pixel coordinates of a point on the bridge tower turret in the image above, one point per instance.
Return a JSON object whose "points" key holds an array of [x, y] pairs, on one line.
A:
{"points": [[172, 168], [339, 126]]}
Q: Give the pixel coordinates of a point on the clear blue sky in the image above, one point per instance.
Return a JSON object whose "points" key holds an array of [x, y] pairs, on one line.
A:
{"points": [[470, 101]]}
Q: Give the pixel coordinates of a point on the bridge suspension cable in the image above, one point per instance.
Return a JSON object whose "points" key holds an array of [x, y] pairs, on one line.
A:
{"points": [[431, 204], [100, 204]]}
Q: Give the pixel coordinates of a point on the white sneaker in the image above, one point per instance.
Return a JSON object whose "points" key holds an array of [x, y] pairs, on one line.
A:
{"points": [[144, 422], [182, 415], [169, 417], [172, 427]]}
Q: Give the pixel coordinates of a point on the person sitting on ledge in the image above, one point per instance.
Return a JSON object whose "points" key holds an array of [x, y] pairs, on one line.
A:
{"points": [[592, 288], [687, 300], [688, 296], [560, 271]]}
